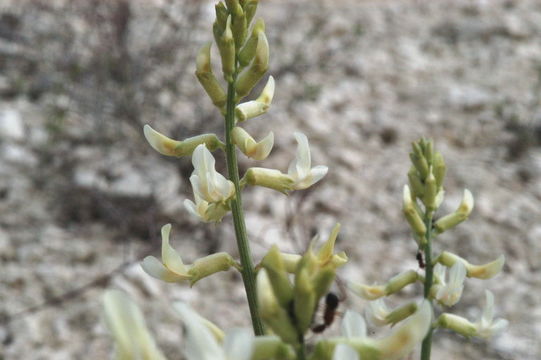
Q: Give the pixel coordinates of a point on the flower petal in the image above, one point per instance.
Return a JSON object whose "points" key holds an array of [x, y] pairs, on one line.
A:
{"points": [[156, 269], [171, 259], [238, 344], [200, 343], [353, 325], [345, 352]]}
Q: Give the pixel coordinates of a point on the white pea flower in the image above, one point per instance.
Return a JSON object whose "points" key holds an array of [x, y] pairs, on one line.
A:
{"points": [[300, 169], [207, 183], [377, 312], [202, 344], [449, 293], [486, 326], [127, 325]]}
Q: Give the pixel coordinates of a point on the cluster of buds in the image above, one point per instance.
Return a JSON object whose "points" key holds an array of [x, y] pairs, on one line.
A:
{"points": [[421, 200], [288, 307]]}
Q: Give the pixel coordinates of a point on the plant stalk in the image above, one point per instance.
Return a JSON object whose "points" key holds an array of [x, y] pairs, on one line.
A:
{"points": [[429, 276], [248, 273]]}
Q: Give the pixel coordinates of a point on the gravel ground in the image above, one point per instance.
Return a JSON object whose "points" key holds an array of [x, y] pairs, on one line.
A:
{"points": [[82, 196]]}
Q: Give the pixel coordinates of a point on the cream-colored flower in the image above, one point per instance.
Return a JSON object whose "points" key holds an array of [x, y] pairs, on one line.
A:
{"points": [[300, 168], [127, 325], [172, 269], [167, 146], [449, 294], [207, 183], [251, 148], [251, 109], [486, 326], [345, 352]]}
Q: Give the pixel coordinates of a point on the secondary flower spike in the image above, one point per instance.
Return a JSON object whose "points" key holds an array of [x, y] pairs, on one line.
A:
{"points": [[300, 169]]}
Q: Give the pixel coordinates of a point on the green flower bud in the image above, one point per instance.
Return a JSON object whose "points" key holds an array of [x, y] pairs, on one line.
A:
{"points": [[247, 52], [232, 4], [267, 347], [430, 193], [238, 26], [278, 277], [412, 215], [250, 8], [419, 161], [305, 300], [209, 265], [416, 184], [227, 51], [323, 280], [464, 210], [170, 147], [457, 324], [428, 151], [274, 315], [439, 169], [221, 15], [269, 178], [207, 79], [250, 76]]}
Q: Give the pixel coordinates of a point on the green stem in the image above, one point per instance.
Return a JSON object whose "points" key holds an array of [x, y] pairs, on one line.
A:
{"points": [[248, 274], [429, 276], [301, 351]]}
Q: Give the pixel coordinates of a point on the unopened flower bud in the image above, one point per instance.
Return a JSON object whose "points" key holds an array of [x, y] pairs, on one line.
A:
{"points": [[250, 76], [431, 191], [275, 316], [207, 79], [417, 187], [401, 313], [227, 51], [238, 26], [266, 347], [438, 164], [457, 323], [269, 178], [221, 15], [464, 210], [251, 109], [278, 277], [412, 215], [170, 147], [305, 300], [250, 8], [419, 161], [247, 52]]}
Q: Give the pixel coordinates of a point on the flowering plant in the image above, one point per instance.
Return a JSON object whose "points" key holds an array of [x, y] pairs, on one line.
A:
{"points": [[283, 290]]}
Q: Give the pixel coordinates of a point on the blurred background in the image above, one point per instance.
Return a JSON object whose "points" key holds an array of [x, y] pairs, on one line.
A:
{"points": [[83, 196]]}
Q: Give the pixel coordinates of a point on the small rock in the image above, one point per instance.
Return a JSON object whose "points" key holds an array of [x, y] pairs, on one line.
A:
{"points": [[11, 124]]}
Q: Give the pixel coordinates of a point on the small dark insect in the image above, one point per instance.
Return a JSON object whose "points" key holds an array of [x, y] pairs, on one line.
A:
{"points": [[420, 260], [331, 304]]}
